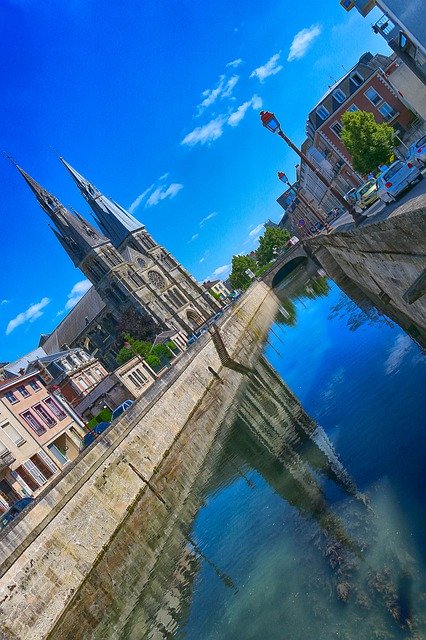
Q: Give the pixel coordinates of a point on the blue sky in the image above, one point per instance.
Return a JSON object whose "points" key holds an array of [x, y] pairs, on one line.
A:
{"points": [[157, 103]]}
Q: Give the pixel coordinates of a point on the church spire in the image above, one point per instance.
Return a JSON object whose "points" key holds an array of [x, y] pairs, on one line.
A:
{"points": [[76, 235], [114, 221]]}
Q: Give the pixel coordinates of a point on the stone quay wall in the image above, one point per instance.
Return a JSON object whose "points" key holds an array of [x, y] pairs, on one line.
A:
{"points": [[101, 526], [386, 260]]}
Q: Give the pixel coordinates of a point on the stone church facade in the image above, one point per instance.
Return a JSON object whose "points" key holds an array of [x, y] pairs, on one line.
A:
{"points": [[128, 270]]}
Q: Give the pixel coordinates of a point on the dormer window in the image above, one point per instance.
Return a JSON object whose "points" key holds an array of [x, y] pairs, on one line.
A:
{"points": [[322, 112], [357, 78], [339, 95]]}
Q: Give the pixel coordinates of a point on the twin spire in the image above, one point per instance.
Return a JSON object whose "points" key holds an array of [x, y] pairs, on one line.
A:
{"points": [[76, 235]]}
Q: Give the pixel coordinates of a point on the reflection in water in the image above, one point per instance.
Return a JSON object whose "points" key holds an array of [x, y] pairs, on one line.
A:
{"points": [[284, 544]]}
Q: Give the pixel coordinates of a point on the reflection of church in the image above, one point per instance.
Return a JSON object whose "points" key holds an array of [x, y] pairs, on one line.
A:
{"points": [[269, 432], [128, 269]]}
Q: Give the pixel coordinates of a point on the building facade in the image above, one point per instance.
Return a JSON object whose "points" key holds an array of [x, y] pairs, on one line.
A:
{"points": [[402, 25], [127, 267], [363, 88], [74, 372], [39, 435], [218, 287]]}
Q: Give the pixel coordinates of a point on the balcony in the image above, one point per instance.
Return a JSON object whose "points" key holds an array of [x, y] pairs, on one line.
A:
{"points": [[386, 28], [6, 459]]}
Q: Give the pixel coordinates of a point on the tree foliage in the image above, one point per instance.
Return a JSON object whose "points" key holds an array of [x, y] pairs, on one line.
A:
{"points": [[369, 143], [273, 239], [140, 326], [238, 278]]}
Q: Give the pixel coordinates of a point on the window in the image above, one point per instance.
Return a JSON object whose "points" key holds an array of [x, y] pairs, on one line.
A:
{"points": [[140, 376], [353, 107], [34, 385], [322, 112], [134, 380], [11, 397], [12, 434], [34, 423], [339, 95], [156, 279], [357, 79], [55, 408], [387, 111], [44, 415], [337, 127], [23, 391], [373, 96]]}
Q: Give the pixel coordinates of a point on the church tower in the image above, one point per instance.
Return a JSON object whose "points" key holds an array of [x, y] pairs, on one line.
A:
{"points": [[157, 279], [94, 254]]}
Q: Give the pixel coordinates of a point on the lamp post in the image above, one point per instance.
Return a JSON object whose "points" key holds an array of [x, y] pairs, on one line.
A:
{"points": [[270, 122], [282, 176]]}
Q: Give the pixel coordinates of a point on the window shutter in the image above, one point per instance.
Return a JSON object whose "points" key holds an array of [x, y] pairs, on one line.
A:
{"points": [[34, 472], [47, 461]]}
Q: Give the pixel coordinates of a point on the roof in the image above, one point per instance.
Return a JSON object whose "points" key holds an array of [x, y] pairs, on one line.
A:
{"points": [[210, 283], [84, 312], [164, 335], [13, 368]]}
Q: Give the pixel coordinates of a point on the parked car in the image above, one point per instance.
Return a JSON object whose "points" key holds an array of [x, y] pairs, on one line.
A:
{"points": [[121, 408], [93, 434], [396, 179], [350, 196], [14, 511], [366, 195], [417, 152]]}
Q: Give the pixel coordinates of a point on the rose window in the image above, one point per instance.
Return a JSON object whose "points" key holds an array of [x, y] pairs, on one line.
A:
{"points": [[156, 279]]}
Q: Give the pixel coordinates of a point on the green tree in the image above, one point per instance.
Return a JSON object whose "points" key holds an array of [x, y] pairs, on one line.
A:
{"points": [[238, 278], [272, 240], [369, 143]]}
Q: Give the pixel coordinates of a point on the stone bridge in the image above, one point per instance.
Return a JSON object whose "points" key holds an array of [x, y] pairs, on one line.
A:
{"points": [[285, 264]]}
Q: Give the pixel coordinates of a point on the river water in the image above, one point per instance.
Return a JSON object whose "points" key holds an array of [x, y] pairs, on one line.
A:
{"points": [[310, 528]]}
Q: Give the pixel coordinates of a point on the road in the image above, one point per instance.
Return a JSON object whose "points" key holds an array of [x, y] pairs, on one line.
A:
{"points": [[379, 210]]}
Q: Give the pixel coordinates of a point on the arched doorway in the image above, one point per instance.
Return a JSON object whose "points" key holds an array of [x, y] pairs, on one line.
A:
{"points": [[194, 318]]}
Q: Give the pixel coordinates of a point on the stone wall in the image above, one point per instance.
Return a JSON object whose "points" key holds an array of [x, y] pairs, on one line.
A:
{"points": [[103, 523], [386, 260]]}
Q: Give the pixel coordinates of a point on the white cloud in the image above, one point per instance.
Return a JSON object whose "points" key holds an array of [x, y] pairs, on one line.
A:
{"points": [[211, 215], [4, 302], [140, 198], [236, 117], [269, 69], [223, 271], [302, 41], [33, 312], [223, 90], [255, 232], [163, 192], [207, 133], [402, 346], [194, 237], [234, 63], [202, 260], [77, 292]]}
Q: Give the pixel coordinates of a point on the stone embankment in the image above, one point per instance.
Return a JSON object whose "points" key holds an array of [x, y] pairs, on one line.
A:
{"points": [[386, 260], [99, 530]]}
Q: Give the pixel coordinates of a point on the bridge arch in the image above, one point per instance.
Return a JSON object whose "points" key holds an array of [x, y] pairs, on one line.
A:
{"points": [[287, 268]]}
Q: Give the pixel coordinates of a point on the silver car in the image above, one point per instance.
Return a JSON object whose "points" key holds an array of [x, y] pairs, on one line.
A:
{"points": [[395, 179], [417, 152]]}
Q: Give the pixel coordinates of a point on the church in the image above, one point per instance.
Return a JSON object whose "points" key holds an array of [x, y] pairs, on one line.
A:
{"points": [[128, 269]]}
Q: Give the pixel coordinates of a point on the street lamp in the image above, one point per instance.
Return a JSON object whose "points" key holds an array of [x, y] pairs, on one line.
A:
{"points": [[282, 176], [270, 122]]}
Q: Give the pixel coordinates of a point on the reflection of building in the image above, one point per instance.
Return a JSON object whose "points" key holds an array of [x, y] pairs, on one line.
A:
{"points": [[128, 269], [39, 434]]}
